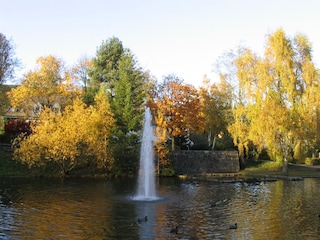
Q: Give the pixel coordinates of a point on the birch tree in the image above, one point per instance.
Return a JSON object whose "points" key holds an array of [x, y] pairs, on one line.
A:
{"points": [[279, 104], [216, 104]]}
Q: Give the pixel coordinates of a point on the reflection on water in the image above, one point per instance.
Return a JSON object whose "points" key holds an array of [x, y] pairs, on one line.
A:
{"points": [[101, 209]]}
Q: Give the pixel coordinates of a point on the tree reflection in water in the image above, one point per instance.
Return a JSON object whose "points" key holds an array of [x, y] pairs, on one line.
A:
{"points": [[102, 209]]}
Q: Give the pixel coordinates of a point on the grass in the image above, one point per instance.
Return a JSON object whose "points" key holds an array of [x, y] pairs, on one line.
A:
{"points": [[270, 168]]}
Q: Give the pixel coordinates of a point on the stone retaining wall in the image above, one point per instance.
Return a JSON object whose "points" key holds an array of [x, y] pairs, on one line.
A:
{"points": [[204, 162]]}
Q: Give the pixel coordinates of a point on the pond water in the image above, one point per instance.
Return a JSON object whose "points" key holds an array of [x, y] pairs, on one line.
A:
{"points": [[104, 209]]}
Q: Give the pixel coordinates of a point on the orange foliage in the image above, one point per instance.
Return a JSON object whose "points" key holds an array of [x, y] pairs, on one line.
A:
{"points": [[176, 109]]}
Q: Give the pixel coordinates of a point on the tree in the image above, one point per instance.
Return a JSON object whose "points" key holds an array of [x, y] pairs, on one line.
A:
{"points": [[245, 64], [105, 63], [8, 61], [46, 86], [216, 105], [77, 137], [128, 100], [179, 106], [161, 146], [278, 108], [116, 69], [4, 100], [79, 73]]}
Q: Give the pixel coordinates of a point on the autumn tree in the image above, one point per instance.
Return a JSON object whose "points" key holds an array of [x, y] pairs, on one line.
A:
{"points": [[162, 149], [178, 105], [226, 68], [278, 106], [216, 105], [8, 61], [79, 73], [45, 87], [77, 137], [244, 62]]}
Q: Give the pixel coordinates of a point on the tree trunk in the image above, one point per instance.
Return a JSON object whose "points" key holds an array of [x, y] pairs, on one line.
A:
{"points": [[172, 144], [285, 169], [214, 142]]}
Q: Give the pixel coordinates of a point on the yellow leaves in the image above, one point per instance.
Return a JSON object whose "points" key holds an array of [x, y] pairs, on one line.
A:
{"points": [[179, 104], [18, 95], [278, 96], [43, 87], [72, 137], [215, 107]]}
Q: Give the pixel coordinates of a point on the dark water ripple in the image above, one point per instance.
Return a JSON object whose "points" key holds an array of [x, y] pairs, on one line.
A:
{"points": [[98, 209]]}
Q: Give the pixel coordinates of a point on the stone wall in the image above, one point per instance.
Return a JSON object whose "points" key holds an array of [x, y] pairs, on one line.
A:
{"points": [[204, 162]]}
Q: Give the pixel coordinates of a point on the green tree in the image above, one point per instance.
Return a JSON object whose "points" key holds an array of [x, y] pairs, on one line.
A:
{"points": [[116, 68], [129, 95], [105, 66]]}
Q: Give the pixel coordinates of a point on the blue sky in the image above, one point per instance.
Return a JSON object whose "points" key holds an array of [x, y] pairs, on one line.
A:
{"points": [[184, 37]]}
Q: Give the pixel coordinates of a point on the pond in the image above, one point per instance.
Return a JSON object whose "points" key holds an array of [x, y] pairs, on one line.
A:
{"points": [[104, 209]]}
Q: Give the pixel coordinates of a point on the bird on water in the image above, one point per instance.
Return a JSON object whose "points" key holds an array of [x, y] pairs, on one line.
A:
{"points": [[140, 220], [174, 230], [234, 226]]}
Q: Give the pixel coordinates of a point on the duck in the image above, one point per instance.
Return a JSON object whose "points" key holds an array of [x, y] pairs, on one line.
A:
{"points": [[174, 230], [235, 226], [145, 219]]}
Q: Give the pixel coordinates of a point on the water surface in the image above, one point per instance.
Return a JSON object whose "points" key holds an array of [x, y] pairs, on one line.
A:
{"points": [[104, 209]]}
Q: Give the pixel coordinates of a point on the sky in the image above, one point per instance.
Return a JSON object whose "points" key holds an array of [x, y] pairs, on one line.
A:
{"points": [[181, 37]]}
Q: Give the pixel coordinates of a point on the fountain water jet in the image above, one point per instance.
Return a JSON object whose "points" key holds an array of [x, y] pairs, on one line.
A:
{"points": [[146, 181]]}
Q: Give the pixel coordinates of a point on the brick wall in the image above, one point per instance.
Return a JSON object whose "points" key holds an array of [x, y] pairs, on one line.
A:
{"points": [[202, 162]]}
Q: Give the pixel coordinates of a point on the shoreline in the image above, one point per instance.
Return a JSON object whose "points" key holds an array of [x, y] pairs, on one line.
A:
{"points": [[297, 172]]}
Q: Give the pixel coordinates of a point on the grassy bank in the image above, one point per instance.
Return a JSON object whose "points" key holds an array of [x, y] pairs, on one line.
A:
{"points": [[268, 168]]}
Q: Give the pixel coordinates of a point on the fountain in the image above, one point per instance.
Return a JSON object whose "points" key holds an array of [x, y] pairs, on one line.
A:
{"points": [[146, 181]]}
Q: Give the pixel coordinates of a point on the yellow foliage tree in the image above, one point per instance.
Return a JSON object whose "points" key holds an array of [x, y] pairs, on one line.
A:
{"points": [[161, 148], [278, 105], [216, 105], [76, 137], [47, 85]]}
